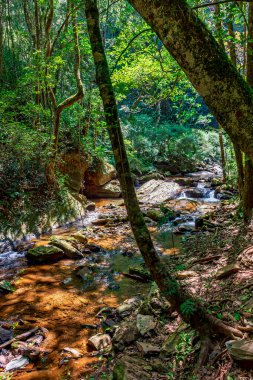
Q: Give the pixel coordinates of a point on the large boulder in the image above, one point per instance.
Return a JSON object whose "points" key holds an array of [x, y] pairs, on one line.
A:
{"points": [[157, 191], [74, 165], [45, 254], [100, 173], [109, 190]]}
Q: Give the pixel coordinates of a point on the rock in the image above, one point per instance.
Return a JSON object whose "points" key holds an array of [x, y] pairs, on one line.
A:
{"points": [[155, 214], [194, 193], [66, 247], [72, 352], [216, 181], [184, 181], [150, 176], [147, 348], [99, 173], [145, 324], [186, 274], [159, 365], [102, 221], [6, 287], [131, 368], [17, 363], [80, 238], [246, 256], [99, 342], [169, 345], [74, 165], [241, 350], [141, 272], [157, 191], [125, 309], [5, 335], [125, 334], [45, 254], [91, 206], [109, 190], [227, 271]]}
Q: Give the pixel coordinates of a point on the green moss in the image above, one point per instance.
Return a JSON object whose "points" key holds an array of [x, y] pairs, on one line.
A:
{"points": [[44, 253]]}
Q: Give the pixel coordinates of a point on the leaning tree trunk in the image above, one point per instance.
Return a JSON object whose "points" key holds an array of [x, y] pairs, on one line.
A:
{"points": [[205, 63], [248, 169], [191, 311]]}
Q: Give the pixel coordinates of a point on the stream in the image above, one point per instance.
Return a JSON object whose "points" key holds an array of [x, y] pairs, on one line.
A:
{"points": [[65, 297]]}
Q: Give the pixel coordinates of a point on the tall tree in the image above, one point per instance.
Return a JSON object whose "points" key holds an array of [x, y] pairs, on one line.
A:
{"points": [[191, 311], [205, 63]]}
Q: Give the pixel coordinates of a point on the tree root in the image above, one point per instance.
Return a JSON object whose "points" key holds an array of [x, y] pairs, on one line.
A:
{"points": [[220, 327], [205, 347]]}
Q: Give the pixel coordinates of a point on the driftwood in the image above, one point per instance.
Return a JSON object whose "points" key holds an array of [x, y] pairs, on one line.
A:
{"points": [[20, 337]]}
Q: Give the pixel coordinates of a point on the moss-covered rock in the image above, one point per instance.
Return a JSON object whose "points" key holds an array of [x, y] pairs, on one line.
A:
{"points": [[99, 173], [80, 238], [67, 245], [155, 214], [45, 254], [131, 368]]}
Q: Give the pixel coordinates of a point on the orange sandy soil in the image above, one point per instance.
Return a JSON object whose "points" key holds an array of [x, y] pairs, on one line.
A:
{"points": [[41, 300]]}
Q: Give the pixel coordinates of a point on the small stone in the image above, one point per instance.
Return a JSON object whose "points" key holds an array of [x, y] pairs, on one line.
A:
{"points": [[147, 348], [125, 309], [91, 206], [99, 341], [73, 352], [17, 363], [124, 335], [145, 324], [5, 335], [186, 274], [227, 271]]}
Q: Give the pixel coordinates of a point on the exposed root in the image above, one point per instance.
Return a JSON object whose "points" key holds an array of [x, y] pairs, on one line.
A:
{"points": [[205, 347], [220, 327]]}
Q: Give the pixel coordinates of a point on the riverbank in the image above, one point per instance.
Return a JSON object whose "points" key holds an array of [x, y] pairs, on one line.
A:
{"points": [[66, 296]]}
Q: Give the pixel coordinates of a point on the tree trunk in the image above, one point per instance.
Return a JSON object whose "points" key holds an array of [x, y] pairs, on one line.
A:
{"points": [[222, 153], [206, 65], [248, 175], [191, 311], [240, 169], [2, 10]]}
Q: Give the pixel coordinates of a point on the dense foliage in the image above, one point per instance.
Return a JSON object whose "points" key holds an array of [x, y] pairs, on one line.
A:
{"points": [[163, 118]]}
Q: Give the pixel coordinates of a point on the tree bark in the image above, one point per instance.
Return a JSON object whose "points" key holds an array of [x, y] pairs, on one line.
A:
{"points": [[2, 11], [223, 156], [205, 63], [191, 311], [248, 169]]}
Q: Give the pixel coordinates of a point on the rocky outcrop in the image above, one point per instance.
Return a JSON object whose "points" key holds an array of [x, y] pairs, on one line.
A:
{"points": [[74, 165], [100, 182], [109, 190], [100, 173]]}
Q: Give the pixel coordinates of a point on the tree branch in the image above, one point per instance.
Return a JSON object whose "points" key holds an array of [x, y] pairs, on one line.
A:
{"points": [[128, 45], [220, 2]]}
